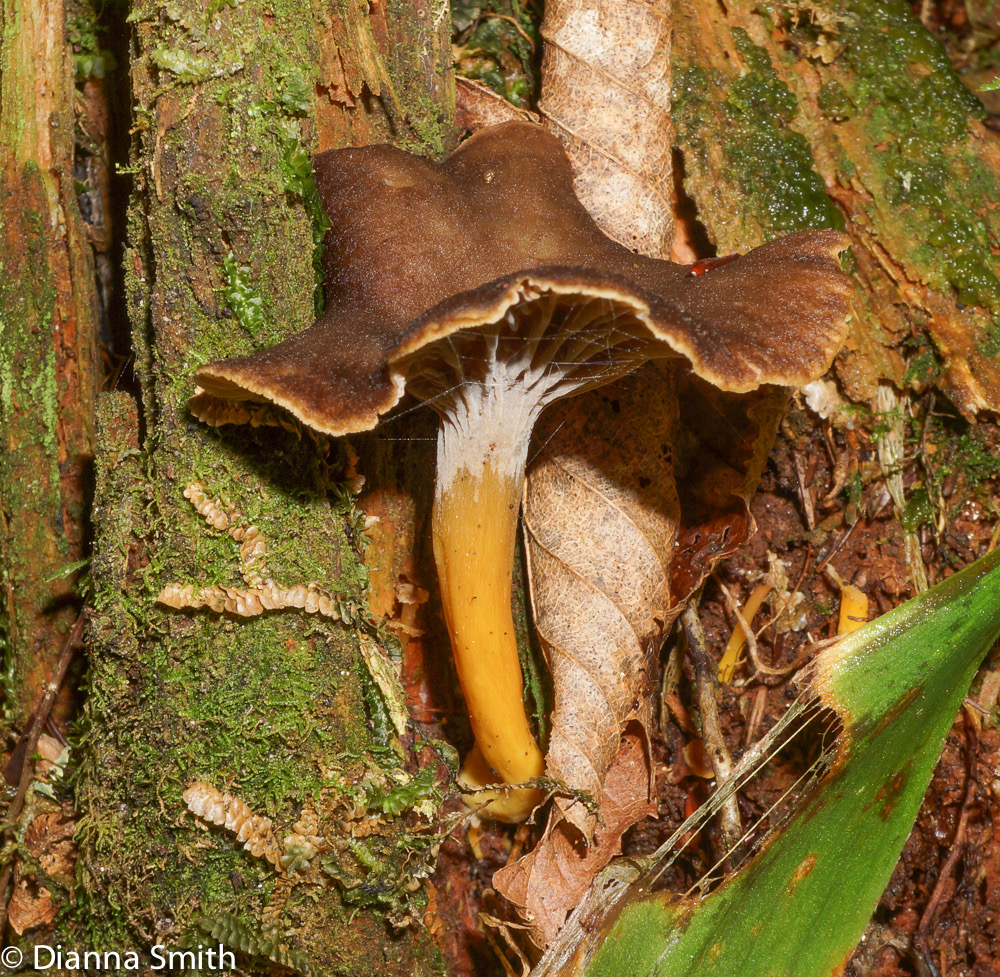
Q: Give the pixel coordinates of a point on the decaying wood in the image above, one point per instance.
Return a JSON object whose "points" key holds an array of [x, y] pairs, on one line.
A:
{"points": [[230, 101], [918, 192], [48, 346]]}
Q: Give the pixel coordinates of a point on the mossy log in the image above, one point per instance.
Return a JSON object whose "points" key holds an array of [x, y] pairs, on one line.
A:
{"points": [[230, 101], [850, 113]]}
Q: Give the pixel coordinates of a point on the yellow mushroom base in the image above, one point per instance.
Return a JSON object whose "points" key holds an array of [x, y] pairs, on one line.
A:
{"points": [[474, 528], [511, 805]]}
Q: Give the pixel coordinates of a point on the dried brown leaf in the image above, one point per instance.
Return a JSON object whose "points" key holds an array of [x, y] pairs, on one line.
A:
{"points": [[618, 474], [31, 906], [550, 880], [477, 107], [49, 840], [606, 93], [601, 513], [720, 454]]}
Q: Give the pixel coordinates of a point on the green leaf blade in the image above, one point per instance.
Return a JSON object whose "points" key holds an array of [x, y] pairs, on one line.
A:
{"points": [[800, 906]]}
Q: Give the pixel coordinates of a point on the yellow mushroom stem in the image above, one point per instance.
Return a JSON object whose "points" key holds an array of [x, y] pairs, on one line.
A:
{"points": [[474, 526]]}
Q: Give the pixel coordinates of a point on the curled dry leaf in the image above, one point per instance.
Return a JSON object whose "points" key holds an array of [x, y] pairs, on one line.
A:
{"points": [[635, 494], [31, 906], [606, 93], [601, 515], [550, 880], [477, 107], [49, 840]]}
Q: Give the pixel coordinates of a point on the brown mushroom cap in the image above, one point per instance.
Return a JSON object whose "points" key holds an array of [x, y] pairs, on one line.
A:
{"points": [[482, 285], [419, 251]]}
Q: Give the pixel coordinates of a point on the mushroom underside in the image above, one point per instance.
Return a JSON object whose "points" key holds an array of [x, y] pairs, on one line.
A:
{"points": [[731, 338], [488, 362]]}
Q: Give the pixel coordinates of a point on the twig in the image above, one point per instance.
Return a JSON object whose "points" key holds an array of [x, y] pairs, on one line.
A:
{"points": [[751, 639], [711, 731], [756, 714], [958, 842], [808, 510], [841, 465], [27, 771], [892, 460], [486, 14]]}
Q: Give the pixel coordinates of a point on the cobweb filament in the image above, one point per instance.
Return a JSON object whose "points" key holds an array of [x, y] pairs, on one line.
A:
{"points": [[800, 714], [802, 784]]}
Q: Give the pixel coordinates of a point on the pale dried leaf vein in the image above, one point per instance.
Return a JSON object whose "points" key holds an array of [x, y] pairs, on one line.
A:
{"points": [[592, 584], [590, 487], [579, 750], [583, 669]]}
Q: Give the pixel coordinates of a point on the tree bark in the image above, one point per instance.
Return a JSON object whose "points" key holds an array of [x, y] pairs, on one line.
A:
{"points": [[229, 102], [48, 361], [829, 120]]}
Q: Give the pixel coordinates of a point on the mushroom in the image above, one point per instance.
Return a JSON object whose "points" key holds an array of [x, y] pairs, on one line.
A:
{"points": [[482, 286]]}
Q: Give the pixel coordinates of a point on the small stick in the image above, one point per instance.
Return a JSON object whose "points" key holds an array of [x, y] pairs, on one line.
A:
{"points": [[805, 494], [27, 771], [756, 714], [958, 843], [711, 731], [758, 665]]}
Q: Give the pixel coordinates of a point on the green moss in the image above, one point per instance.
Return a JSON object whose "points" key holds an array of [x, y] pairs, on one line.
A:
{"points": [[82, 31], [923, 367], [183, 65], [250, 941], [300, 182], [989, 343], [241, 297], [393, 799], [767, 153], [496, 43], [893, 77], [975, 459], [919, 510], [770, 164], [834, 101], [243, 711]]}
